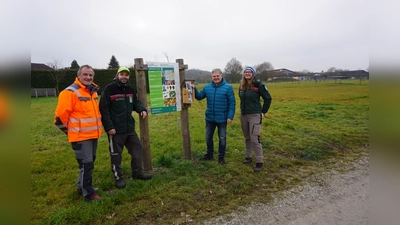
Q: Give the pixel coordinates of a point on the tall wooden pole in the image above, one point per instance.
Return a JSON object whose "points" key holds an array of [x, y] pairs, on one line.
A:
{"points": [[144, 123], [187, 154]]}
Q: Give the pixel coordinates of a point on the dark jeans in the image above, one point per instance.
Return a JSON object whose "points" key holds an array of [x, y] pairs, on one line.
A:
{"points": [[210, 128]]}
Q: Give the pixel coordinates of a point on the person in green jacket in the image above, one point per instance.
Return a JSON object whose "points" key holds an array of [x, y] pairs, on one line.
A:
{"points": [[252, 114]]}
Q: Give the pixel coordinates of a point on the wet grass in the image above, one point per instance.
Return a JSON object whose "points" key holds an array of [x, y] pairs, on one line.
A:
{"points": [[309, 126]]}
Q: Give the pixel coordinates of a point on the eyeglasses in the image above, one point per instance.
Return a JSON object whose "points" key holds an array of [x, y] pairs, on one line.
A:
{"points": [[248, 72]]}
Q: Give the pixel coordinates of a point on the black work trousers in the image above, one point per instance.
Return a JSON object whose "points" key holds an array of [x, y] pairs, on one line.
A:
{"points": [[135, 149]]}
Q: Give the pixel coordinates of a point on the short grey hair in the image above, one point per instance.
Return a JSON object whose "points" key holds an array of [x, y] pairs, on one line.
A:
{"points": [[216, 70], [84, 66]]}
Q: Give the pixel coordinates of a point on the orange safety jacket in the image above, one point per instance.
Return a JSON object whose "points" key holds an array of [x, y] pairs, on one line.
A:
{"points": [[78, 113]]}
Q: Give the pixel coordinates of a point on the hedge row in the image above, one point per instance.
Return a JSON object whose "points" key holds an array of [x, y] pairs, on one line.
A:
{"points": [[43, 79]]}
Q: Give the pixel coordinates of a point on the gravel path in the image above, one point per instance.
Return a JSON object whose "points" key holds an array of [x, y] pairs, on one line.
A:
{"points": [[327, 198]]}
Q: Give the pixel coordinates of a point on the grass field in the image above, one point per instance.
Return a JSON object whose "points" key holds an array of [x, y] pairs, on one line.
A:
{"points": [[308, 128]]}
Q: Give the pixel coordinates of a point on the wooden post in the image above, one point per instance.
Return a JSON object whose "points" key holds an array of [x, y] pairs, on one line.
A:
{"points": [[144, 123], [187, 154]]}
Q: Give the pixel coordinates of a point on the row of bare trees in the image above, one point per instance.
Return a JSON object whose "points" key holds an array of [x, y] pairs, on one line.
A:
{"points": [[234, 70], [58, 70], [56, 64]]}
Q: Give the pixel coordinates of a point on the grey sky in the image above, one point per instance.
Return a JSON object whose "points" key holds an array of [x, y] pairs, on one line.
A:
{"points": [[297, 35]]}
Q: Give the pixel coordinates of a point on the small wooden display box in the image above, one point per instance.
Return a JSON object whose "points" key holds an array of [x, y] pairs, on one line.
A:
{"points": [[187, 92]]}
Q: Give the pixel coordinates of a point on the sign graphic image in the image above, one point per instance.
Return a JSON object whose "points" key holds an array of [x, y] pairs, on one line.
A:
{"points": [[165, 93]]}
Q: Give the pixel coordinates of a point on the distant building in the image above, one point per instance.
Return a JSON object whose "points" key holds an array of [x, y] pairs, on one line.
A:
{"points": [[348, 74], [41, 92], [285, 73], [40, 66]]}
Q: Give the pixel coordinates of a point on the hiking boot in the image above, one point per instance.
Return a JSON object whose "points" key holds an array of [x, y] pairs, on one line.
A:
{"points": [[221, 161], [259, 167], [93, 197], [120, 183], [247, 161], [79, 190], [206, 157], [142, 176]]}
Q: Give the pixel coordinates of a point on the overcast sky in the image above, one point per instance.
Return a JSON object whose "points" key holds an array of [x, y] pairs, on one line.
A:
{"points": [[310, 34]]}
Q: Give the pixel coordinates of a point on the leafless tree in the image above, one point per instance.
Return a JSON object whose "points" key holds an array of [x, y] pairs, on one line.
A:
{"points": [[57, 74], [262, 70], [166, 56], [331, 70], [155, 59], [263, 67], [233, 70]]}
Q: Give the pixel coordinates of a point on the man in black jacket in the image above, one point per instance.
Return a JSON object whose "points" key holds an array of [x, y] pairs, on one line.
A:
{"points": [[117, 102]]}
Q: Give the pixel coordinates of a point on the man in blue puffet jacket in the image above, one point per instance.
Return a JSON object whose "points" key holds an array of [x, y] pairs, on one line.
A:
{"points": [[220, 110]]}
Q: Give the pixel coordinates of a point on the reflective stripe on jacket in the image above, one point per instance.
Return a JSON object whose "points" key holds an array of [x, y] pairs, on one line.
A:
{"points": [[77, 112], [116, 105]]}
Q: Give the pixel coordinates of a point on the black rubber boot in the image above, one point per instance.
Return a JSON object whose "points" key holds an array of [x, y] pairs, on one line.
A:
{"points": [[259, 167]]}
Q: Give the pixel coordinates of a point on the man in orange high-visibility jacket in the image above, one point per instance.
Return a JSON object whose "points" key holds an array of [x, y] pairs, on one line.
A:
{"points": [[78, 116]]}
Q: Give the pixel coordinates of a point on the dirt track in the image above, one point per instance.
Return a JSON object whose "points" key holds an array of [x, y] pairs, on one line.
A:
{"points": [[327, 198]]}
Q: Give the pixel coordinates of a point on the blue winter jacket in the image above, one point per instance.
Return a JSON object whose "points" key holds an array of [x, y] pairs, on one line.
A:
{"points": [[221, 101]]}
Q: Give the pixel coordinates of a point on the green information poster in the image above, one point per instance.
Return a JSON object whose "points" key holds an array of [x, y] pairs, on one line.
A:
{"points": [[165, 93]]}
